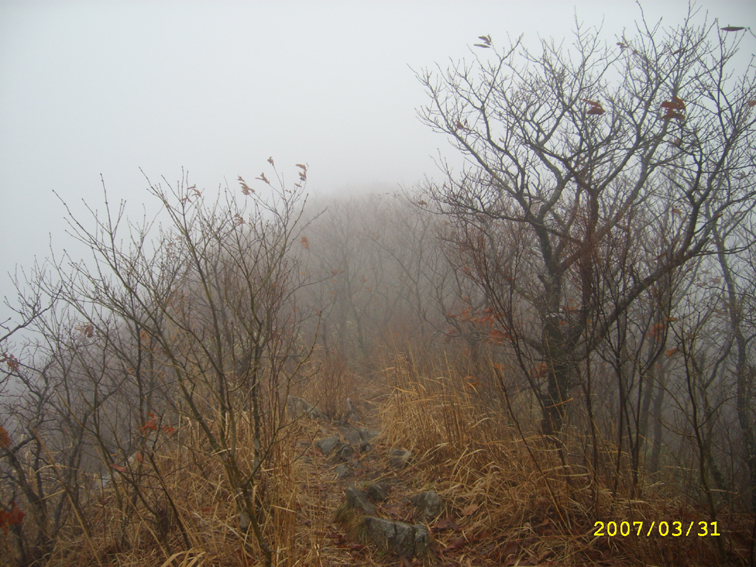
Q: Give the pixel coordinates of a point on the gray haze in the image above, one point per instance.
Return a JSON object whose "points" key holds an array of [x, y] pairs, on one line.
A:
{"points": [[107, 88]]}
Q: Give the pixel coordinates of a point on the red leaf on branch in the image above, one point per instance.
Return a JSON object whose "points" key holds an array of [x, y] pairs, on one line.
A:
{"points": [[11, 361], [671, 114], [4, 438], [151, 425], [15, 516]]}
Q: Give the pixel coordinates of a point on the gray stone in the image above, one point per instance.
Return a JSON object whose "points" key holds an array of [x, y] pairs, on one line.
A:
{"points": [[376, 491], [356, 500], [343, 453], [368, 434], [428, 504], [352, 413], [351, 435], [399, 457], [328, 444], [343, 471], [299, 408], [403, 539]]}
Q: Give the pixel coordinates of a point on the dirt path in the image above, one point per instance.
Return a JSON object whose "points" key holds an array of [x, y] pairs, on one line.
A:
{"points": [[337, 456]]}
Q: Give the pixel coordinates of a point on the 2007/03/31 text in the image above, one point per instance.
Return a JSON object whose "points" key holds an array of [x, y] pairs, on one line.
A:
{"points": [[663, 528]]}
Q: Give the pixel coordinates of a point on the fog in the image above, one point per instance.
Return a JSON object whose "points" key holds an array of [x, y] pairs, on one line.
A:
{"points": [[127, 89]]}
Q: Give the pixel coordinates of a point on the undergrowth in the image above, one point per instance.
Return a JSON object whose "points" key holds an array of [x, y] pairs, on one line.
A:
{"points": [[509, 497]]}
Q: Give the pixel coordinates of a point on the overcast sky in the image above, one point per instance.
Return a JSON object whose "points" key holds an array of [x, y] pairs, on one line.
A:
{"points": [[216, 87]]}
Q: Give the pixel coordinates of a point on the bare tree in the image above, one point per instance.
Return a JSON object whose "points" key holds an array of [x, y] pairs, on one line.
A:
{"points": [[576, 146]]}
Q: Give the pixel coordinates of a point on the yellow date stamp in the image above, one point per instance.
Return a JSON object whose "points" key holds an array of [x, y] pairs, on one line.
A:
{"points": [[654, 528]]}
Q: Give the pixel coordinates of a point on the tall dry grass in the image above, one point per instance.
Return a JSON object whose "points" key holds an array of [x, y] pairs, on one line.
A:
{"points": [[520, 498], [516, 497]]}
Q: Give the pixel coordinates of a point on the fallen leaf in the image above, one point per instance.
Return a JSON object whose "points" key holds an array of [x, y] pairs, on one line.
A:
{"points": [[445, 524], [458, 543], [469, 510]]}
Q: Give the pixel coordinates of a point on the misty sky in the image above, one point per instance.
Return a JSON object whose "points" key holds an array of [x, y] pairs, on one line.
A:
{"points": [[108, 87]]}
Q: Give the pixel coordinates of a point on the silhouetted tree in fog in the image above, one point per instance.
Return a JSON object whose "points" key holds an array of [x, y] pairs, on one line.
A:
{"points": [[570, 148]]}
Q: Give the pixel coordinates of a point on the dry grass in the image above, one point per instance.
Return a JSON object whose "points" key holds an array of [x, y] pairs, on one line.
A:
{"points": [[510, 497], [518, 499]]}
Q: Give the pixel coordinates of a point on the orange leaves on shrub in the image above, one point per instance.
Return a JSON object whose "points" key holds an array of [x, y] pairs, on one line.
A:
{"points": [[595, 107], [11, 361], [5, 440], [151, 425], [302, 172], [657, 331], [305, 242], [119, 468], [674, 104], [541, 369], [498, 337], [672, 352], [246, 189], [751, 103], [674, 109], [14, 517], [85, 329]]}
